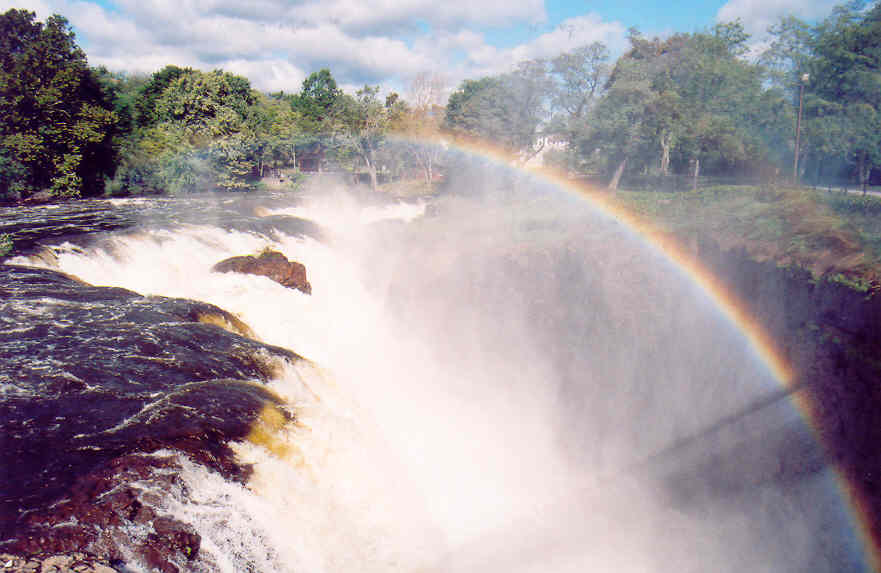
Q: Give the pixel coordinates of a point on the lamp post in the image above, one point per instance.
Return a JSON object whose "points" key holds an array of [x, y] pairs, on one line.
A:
{"points": [[804, 79]]}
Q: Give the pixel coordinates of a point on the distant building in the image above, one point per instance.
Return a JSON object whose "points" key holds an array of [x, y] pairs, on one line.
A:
{"points": [[543, 145]]}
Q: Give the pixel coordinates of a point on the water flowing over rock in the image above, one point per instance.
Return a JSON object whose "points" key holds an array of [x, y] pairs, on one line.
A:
{"points": [[94, 380], [74, 562], [512, 385], [271, 264]]}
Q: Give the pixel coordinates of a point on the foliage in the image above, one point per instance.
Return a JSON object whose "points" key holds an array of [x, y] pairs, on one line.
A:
{"points": [[362, 124], [201, 130], [684, 104], [842, 89], [683, 101], [6, 244], [317, 101], [507, 110], [145, 107], [58, 123]]}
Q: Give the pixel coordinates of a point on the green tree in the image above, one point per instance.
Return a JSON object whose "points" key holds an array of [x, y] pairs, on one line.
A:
{"points": [[145, 113], [57, 122], [202, 129], [677, 103], [206, 104], [508, 110], [578, 79], [317, 100], [842, 98], [364, 122]]}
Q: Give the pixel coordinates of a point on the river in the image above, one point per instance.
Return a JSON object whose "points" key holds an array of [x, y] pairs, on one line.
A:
{"points": [[505, 382]]}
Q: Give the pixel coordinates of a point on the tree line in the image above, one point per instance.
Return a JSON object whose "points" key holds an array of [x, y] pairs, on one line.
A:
{"points": [[70, 130], [684, 104], [696, 103]]}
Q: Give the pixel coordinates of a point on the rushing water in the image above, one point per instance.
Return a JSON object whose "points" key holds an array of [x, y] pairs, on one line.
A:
{"points": [[514, 385]]}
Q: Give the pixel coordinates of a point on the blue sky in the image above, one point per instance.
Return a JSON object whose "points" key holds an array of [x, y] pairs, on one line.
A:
{"points": [[276, 43], [650, 18]]}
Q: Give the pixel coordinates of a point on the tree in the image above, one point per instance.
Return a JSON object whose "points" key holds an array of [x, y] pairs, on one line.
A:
{"points": [[213, 103], [677, 103], [427, 91], [579, 77], [317, 99], [145, 107], [842, 58], [507, 110], [618, 126], [363, 124], [57, 122], [205, 129], [421, 129]]}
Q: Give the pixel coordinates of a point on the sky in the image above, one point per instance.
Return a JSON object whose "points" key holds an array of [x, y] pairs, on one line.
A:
{"points": [[277, 43]]}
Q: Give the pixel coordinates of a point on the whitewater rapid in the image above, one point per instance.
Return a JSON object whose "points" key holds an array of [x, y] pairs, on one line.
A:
{"points": [[426, 435], [341, 498]]}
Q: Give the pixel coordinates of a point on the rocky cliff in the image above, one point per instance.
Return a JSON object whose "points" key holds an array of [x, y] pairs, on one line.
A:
{"points": [[829, 329]]}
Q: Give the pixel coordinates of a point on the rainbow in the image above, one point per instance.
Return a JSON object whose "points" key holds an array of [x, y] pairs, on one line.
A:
{"points": [[726, 301]]}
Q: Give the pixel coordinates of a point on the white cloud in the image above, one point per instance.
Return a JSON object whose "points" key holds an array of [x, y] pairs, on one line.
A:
{"points": [[276, 42], [42, 9], [269, 75], [573, 33], [758, 15], [570, 34], [373, 14]]}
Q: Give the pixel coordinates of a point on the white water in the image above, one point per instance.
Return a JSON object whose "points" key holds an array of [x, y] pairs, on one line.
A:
{"points": [[396, 458], [403, 458]]}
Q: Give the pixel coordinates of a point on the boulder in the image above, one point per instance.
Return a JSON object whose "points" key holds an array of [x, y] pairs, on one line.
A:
{"points": [[271, 264]]}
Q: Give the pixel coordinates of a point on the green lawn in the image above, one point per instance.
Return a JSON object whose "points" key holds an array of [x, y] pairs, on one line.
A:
{"points": [[833, 234]]}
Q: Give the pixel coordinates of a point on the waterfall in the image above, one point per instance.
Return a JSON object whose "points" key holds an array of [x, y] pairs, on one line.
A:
{"points": [[475, 391]]}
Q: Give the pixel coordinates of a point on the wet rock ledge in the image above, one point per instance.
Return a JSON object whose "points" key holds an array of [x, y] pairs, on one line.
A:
{"points": [[271, 264], [106, 396], [73, 563]]}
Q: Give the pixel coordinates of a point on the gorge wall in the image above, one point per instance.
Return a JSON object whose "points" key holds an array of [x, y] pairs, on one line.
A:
{"points": [[830, 333]]}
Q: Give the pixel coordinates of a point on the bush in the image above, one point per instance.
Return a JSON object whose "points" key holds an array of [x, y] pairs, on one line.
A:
{"points": [[5, 244]]}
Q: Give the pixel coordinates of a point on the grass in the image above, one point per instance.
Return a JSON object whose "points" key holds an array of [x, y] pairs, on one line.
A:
{"points": [[834, 235], [5, 244]]}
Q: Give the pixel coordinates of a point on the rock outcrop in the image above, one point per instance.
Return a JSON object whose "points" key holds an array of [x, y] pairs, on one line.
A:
{"points": [[271, 264], [69, 563], [98, 517], [830, 332]]}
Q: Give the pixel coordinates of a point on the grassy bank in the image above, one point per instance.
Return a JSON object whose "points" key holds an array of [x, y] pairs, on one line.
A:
{"points": [[833, 234]]}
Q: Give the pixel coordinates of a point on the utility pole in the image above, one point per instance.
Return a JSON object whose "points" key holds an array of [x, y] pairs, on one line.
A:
{"points": [[801, 94]]}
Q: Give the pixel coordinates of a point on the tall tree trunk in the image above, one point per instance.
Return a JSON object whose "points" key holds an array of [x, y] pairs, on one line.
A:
{"points": [[697, 172], [616, 178], [862, 171], [371, 169], [665, 154]]}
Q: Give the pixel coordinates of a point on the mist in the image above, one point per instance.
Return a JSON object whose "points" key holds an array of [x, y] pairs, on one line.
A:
{"points": [[585, 406], [498, 379]]}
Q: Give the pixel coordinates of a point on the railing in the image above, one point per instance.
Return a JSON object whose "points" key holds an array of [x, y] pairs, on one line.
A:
{"points": [[677, 183]]}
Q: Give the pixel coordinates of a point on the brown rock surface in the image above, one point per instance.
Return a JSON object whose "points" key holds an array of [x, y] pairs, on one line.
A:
{"points": [[62, 563], [90, 530], [271, 264]]}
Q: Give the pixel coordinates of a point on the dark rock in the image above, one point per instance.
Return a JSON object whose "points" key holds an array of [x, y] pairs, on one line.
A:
{"points": [[269, 264], [155, 559], [98, 514], [177, 536], [830, 333], [67, 441]]}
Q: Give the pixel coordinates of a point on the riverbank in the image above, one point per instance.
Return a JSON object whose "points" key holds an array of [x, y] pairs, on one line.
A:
{"points": [[834, 235], [805, 265]]}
